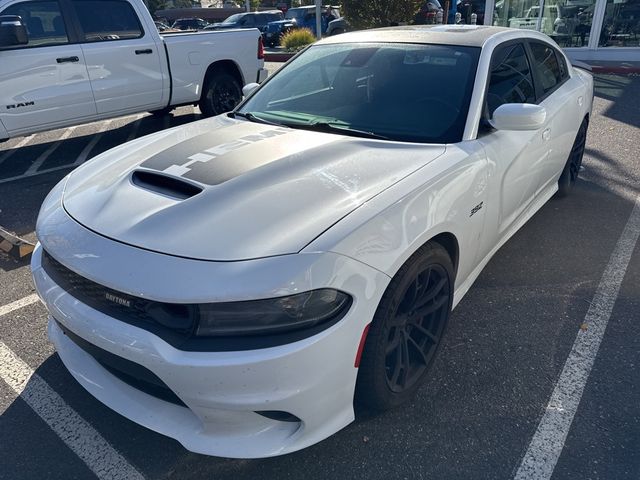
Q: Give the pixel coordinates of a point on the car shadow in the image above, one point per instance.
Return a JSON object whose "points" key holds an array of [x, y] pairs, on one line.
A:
{"points": [[624, 93]]}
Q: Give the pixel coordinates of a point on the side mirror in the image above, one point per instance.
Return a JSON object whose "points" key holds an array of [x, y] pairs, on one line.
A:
{"points": [[518, 116], [12, 31], [249, 88]]}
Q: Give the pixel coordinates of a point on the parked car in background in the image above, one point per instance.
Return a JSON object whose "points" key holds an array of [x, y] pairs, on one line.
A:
{"points": [[337, 26], [162, 26], [189, 24], [84, 60], [300, 17], [248, 20], [427, 13]]}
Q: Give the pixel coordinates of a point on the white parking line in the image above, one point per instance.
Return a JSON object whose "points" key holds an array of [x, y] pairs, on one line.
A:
{"points": [[548, 441], [41, 159], [41, 172], [15, 148], [73, 430], [134, 128], [96, 138], [23, 302]]}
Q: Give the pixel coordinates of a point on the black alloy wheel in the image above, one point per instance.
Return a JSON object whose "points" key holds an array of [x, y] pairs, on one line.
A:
{"points": [[407, 330], [574, 162], [221, 93]]}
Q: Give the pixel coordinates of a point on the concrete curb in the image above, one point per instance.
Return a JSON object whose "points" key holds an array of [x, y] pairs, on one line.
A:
{"points": [[14, 245], [277, 57], [617, 70]]}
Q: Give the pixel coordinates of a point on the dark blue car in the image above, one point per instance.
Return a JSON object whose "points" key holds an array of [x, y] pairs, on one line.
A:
{"points": [[300, 17], [257, 20]]}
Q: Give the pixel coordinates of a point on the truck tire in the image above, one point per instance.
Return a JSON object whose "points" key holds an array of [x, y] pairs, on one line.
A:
{"points": [[221, 93]]}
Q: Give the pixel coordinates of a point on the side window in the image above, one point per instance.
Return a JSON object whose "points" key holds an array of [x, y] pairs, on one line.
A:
{"points": [[564, 74], [510, 80], [248, 21], [546, 65], [43, 21], [103, 20]]}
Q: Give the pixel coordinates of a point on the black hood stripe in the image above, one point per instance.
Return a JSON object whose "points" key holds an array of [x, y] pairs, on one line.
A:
{"points": [[206, 158]]}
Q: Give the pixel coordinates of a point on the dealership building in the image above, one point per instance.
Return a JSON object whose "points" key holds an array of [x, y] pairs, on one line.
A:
{"points": [[597, 31]]}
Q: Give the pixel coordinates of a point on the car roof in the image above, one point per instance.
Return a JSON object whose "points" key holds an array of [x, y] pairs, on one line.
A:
{"points": [[464, 35]]}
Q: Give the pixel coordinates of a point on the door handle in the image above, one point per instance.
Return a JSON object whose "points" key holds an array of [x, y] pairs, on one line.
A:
{"points": [[546, 134], [146, 51], [67, 59]]}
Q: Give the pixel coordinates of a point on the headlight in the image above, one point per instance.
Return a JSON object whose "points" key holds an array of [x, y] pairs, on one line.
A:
{"points": [[274, 315]]}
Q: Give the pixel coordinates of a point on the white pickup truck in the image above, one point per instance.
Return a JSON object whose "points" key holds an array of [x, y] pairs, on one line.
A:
{"points": [[65, 62]]}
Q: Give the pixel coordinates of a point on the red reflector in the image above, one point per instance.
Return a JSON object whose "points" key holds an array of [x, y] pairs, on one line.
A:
{"points": [[363, 339], [260, 48]]}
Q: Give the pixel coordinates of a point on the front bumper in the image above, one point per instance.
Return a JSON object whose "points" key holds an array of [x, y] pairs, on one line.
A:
{"points": [[313, 379]]}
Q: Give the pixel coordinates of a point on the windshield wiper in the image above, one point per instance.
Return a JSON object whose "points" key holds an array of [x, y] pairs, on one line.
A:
{"points": [[337, 128], [253, 118]]}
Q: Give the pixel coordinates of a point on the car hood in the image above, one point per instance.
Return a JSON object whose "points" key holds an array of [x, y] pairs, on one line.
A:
{"points": [[225, 189]]}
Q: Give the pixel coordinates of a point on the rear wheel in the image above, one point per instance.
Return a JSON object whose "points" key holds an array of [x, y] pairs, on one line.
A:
{"points": [[222, 92], [407, 329], [574, 162]]}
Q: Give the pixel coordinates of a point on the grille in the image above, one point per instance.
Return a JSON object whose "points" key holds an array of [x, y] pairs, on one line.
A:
{"points": [[179, 318], [131, 373]]}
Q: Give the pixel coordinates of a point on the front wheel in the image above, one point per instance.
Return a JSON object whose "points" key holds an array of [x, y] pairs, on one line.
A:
{"points": [[407, 330], [574, 162], [221, 93]]}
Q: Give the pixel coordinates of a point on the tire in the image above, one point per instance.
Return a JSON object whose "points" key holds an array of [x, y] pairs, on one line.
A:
{"points": [[337, 31], [402, 344], [221, 93], [574, 162]]}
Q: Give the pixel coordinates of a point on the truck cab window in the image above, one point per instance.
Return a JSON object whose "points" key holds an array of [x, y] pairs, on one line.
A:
{"points": [[43, 21], [105, 20]]}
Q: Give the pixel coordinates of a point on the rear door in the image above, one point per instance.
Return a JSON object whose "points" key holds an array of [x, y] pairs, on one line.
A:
{"points": [[122, 58], [45, 82]]}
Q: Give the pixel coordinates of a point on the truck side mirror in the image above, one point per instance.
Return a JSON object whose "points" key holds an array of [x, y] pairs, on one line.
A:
{"points": [[12, 31]]}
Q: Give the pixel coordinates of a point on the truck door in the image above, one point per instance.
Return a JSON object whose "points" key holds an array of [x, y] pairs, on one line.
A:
{"points": [[43, 82], [122, 58]]}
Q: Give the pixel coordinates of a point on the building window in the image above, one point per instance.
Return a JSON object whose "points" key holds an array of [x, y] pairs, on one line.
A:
{"points": [[568, 22], [621, 25]]}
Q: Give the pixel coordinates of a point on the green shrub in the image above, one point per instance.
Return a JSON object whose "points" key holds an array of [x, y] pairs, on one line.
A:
{"points": [[297, 39]]}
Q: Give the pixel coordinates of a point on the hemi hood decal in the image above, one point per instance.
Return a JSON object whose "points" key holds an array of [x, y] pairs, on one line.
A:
{"points": [[210, 160], [265, 190]]}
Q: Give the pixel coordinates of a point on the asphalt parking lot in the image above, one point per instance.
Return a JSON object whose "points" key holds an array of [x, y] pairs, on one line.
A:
{"points": [[514, 369]]}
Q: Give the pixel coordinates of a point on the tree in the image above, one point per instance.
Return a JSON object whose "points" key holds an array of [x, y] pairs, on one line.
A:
{"points": [[379, 13], [156, 5]]}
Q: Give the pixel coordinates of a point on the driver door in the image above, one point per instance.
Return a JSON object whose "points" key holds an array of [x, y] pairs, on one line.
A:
{"points": [[518, 157], [43, 83]]}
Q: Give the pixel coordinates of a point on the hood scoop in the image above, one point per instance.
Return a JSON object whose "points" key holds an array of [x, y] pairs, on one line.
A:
{"points": [[165, 185]]}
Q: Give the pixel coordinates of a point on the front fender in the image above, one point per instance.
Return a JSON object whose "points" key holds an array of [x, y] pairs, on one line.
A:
{"points": [[445, 196]]}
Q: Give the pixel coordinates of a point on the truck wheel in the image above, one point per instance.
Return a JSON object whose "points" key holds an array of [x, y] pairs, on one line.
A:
{"points": [[221, 93]]}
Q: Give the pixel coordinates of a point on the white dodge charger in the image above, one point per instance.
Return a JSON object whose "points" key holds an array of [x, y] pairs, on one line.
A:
{"points": [[239, 283]]}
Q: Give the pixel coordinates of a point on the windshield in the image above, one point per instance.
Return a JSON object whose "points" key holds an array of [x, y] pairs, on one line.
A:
{"points": [[297, 12], [404, 92], [233, 18]]}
